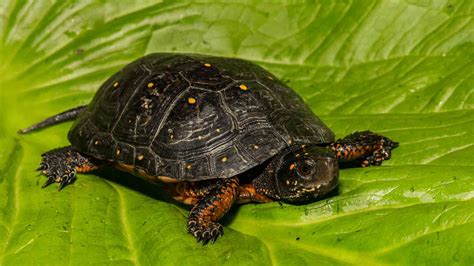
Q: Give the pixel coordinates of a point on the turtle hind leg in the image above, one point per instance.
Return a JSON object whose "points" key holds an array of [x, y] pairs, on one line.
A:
{"points": [[202, 220], [61, 165], [365, 147]]}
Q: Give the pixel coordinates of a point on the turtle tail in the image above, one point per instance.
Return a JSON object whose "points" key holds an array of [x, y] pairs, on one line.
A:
{"points": [[68, 115]]}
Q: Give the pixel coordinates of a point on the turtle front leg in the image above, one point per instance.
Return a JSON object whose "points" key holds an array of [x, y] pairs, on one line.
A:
{"points": [[61, 165], [202, 220], [366, 146], [191, 192]]}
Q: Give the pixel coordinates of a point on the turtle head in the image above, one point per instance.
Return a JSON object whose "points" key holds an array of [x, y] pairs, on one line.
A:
{"points": [[299, 173]]}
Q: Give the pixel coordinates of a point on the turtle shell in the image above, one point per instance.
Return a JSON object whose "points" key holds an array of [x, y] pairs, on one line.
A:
{"points": [[194, 117]]}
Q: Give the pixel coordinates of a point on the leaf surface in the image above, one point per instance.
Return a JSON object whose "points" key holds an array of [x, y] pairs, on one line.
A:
{"points": [[400, 68]]}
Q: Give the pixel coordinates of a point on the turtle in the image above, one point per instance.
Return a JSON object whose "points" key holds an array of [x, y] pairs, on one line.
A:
{"points": [[219, 131]]}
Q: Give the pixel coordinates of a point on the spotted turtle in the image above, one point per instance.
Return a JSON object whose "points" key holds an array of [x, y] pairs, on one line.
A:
{"points": [[219, 130]]}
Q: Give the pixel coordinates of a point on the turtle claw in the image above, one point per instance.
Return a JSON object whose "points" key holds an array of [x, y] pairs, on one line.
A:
{"points": [[43, 166], [66, 180], [48, 182], [205, 231], [61, 186], [214, 240], [215, 233]]}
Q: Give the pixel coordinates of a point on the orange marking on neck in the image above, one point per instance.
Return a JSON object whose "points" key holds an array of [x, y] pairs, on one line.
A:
{"points": [[85, 168]]}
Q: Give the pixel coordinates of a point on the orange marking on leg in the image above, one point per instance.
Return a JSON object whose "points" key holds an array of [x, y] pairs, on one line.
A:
{"points": [[186, 200], [85, 168], [223, 201], [247, 193]]}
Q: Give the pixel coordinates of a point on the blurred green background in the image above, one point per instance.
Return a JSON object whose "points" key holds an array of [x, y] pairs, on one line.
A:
{"points": [[400, 68]]}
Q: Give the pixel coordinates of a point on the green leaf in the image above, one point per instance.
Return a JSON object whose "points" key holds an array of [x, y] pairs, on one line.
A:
{"points": [[401, 68]]}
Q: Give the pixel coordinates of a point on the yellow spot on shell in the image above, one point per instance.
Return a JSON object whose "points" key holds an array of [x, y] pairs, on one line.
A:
{"points": [[207, 65], [150, 85], [243, 87], [116, 84], [256, 146], [140, 157], [224, 159], [191, 100], [292, 166]]}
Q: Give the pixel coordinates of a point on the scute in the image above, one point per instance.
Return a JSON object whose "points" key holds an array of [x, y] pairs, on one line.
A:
{"points": [[260, 142], [192, 126], [194, 117]]}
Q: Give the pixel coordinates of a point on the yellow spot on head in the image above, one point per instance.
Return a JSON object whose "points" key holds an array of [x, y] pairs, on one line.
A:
{"points": [[118, 151], [290, 141], [218, 130], [150, 85], [224, 159], [189, 166], [191, 100], [292, 166], [207, 65], [269, 77], [243, 87], [256, 146], [140, 157], [116, 84], [96, 142]]}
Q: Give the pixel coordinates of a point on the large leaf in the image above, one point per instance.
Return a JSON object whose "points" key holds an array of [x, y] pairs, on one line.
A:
{"points": [[401, 68]]}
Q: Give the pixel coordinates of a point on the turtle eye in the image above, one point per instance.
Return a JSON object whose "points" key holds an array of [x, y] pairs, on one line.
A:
{"points": [[306, 168]]}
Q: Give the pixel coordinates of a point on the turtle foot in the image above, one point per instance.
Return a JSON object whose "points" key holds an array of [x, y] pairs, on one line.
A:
{"points": [[366, 147], [205, 231], [61, 165], [57, 167]]}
